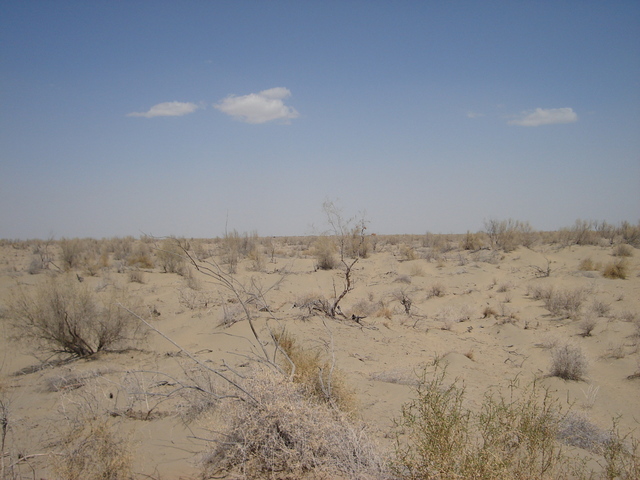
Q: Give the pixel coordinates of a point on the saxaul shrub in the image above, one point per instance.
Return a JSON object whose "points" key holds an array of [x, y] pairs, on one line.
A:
{"points": [[65, 317]]}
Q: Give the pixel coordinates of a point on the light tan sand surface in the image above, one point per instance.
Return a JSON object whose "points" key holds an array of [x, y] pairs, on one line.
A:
{"points": [[474, 311]]}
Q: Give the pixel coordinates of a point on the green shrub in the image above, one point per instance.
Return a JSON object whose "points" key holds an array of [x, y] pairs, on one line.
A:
{"points": [[515, 437]]}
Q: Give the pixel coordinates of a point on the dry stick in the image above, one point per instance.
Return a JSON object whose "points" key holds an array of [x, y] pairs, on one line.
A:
{"points": [[214, 371], [229, 283]]}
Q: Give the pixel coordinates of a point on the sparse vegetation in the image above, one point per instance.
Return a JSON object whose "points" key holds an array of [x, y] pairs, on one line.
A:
{"points": [[439, 438], [63, 317], [618, 269], [568, 362]]}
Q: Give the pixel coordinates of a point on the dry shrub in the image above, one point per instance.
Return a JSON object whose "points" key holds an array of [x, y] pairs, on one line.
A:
{"points": [[568, 362], [324, 250], [136, 276], [618, 269], [565, 303], [577, 430], [170, 256], [436, 290], [93, 449], [515, 437], [407, 253], [319, 376], [587, 325], [622, 250], [62, 316], [471, 241], [588, 265], [285, 433]]}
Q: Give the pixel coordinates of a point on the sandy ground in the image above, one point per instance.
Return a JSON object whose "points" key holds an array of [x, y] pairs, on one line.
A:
{"points": [[379, 357]]}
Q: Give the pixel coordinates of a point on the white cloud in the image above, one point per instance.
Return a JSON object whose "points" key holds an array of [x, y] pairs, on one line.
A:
{"points": [[260, 107], [167, 109], [545, 116], [474, 115]]}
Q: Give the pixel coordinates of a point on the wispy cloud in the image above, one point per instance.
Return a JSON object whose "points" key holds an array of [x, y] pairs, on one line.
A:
{"points": [[167, 109], [474, 115], [545, 116], [261, 107]]}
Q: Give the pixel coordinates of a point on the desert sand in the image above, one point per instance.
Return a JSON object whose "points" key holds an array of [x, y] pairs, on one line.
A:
{"points": [[475, 311]]}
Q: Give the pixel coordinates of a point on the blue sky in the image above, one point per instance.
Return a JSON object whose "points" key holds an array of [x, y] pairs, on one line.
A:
{"points": [[174, 118]]}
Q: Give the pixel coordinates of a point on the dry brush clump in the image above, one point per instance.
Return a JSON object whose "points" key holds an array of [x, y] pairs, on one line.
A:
{"points": [[568, 362], [318, 374], [62, 316], [284, 433], [618, 269]]}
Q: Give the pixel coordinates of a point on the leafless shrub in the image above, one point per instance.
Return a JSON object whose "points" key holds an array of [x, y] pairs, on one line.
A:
{"points": [[169, 254], [622, 250], [407, 253], [62, 316], [136, 276], [325, 253], [283, 433], [471, 241], [600, 308], [588, 265], [505, 287], [565, 302], [568, 362], [577, 430], [231, 313], [93, 448], [588, 323], [508, 234], [436, 290]]}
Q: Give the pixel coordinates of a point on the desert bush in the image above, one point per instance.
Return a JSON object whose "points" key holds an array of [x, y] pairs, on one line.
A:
{"points": [[600, 308], [587, 325], [568, 362], [257, 260], [515, 437], [170, 255], [588, 265], [508, 234], [622, 455], [577, 430], [564, 302], [285, 434], [71, 252], [318, 375], [630, 233], [325, 253], [407, 253], [471, 241], [436, 290], [93, 449], [622, 250], [616, 270], [136, 276], [140, 256], [62, 316]]}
